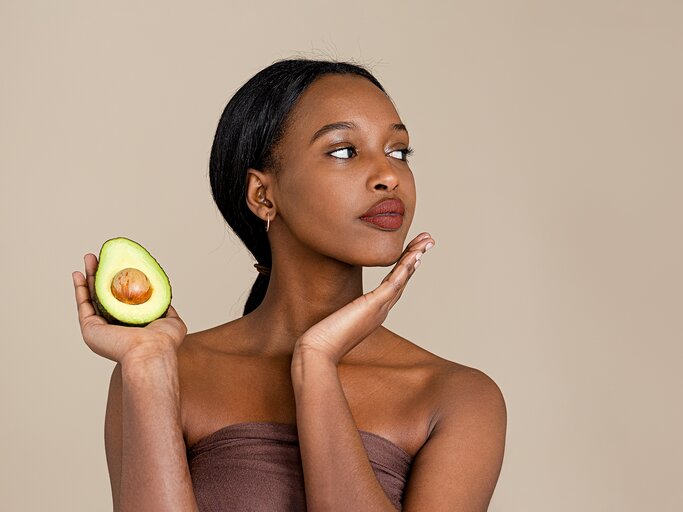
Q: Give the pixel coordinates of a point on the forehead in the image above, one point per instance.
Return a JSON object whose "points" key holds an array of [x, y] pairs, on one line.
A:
{"points": [[333, 98]]}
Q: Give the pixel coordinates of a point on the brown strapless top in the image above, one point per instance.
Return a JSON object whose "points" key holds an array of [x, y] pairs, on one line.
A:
{"points": [[256, 466]]}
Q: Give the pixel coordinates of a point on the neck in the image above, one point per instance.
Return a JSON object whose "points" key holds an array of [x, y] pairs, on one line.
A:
{"points": [[305, 286], [300, 294]]}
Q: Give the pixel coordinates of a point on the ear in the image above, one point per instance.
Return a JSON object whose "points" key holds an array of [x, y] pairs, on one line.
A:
{"points": [[259, 194]]}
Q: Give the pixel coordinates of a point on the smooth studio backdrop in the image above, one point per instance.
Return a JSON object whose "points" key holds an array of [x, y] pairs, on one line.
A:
{"points": [[548, 167]]}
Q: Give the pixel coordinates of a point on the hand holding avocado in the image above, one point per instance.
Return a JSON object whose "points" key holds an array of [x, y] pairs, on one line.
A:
{"points": [[132, 294]]}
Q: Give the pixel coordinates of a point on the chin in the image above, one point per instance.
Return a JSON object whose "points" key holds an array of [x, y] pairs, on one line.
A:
{"points": [[385, 259]]}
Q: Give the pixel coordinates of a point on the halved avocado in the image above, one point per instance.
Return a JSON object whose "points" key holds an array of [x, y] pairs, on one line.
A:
{"points": [[131, 288]]}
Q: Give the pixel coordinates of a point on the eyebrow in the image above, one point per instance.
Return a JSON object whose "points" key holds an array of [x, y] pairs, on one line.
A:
{"points": [[350, 125]]}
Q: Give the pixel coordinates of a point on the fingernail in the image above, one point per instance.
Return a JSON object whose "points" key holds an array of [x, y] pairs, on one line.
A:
{"points": [[429, 246], [416, 264], [418, 256]]}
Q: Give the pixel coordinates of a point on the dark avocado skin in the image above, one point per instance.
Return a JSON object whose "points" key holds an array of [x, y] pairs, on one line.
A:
{"points": [[103, 312]]}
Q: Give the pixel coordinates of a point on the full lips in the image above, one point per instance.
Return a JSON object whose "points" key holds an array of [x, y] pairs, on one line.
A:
{"points": [[387, 206], [386, 220]]}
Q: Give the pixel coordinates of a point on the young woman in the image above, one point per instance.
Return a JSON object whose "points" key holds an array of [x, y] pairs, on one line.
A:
{"points": [[306, 402]]}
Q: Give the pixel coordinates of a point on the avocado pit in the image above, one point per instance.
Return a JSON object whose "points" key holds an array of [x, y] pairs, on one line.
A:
{"points": [[131, 286]]}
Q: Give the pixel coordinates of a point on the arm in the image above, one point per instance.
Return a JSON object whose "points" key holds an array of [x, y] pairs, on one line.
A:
{"points": [[113, 432], [143, 437], [456, 470], [337, 472], [143, 433], [458, 466]]}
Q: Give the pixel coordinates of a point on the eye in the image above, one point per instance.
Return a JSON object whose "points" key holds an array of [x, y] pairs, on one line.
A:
{"points": [[349, 152], [404, 153]]}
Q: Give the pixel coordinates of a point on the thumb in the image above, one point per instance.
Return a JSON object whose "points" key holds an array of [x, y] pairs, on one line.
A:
{"points": [[172, 313]]}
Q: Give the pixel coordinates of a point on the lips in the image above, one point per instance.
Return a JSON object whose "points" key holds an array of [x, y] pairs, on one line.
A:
{"points": [[388, 206], [387, 214]]}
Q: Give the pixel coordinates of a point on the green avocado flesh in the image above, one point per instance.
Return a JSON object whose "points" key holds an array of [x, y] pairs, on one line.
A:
{"points": [[131, 288]]}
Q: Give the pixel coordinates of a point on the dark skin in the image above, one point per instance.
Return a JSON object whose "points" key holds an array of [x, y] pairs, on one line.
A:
{"points": [[315, 350], [319, 247]]}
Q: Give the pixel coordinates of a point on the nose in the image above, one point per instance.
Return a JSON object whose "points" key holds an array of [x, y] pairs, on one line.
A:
{"points": [[384, 173]]}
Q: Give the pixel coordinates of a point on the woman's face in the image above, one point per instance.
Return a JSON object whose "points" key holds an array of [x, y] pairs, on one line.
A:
{"points": [[331, 175]]}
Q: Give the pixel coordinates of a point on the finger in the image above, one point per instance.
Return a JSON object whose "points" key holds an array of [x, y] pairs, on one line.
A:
{"points": [[172, 313], [83, 303], [418, 243], [422, 242], [419, 238], [403, 270], [392, 286], [417, 246], [412, 245], [91, 265]]}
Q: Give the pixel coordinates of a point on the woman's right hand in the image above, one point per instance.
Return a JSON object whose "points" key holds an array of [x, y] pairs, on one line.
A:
{"points": [[118, 342]]}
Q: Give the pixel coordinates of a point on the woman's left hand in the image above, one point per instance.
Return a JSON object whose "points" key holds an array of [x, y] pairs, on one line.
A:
{"points": [[338, 333]]}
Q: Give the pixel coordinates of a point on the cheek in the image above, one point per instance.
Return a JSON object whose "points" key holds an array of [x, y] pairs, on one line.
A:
{"points": [[323, 215], [315, 210], [322, 218], [314, 196]]}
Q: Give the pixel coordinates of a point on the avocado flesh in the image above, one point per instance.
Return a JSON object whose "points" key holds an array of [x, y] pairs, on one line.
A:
{"points": [[116, 255]]}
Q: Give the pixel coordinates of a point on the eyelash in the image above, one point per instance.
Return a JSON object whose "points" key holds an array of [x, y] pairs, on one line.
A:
{"points": [[406, 152]]}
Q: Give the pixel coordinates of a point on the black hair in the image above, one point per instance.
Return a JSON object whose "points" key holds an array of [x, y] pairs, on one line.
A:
{"points": [[247, 135]]}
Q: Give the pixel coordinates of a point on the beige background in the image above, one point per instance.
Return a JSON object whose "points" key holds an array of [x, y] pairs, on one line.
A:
{"points": [[549, 170]]}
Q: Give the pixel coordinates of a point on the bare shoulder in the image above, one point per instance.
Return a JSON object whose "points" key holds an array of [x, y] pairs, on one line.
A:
{"points": [[203, 340], [472, 392], [459, 463], [471, 406], [412, 353], [198, 348], [455, 388]]}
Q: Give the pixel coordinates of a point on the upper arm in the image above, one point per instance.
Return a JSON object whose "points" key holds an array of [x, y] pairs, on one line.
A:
{"points": [[113, 423], [458, 466]]}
